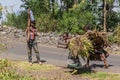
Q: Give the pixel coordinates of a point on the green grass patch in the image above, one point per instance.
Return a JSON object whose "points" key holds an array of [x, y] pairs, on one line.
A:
{"points": [[26, 66], [101, 76], [7, 72], [11, 75]]}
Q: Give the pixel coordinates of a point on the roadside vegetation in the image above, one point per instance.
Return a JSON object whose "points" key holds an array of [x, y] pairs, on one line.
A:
{"points": [[11, 70], [115, 37], [7, 72], [101, 76]]}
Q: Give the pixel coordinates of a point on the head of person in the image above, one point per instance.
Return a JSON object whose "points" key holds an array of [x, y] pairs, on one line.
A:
{"points": [[32, 23], [65, 35]]}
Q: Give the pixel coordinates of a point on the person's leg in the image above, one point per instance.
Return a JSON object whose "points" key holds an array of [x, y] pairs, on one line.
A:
{"points": [[103, 58], [88, 61], [35, 47], [30, 54], [105, 63]]}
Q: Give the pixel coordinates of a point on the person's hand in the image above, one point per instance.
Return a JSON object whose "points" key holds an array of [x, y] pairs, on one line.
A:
{"points": [[28, 10], [27, 39]]}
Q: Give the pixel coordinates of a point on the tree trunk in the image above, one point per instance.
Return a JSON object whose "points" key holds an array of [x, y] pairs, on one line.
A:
{"points": [[75, 1], [61, 8], [92, 1], [105, 13], [53, 10]]}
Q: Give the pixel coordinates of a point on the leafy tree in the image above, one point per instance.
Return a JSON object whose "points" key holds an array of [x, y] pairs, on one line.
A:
{"points": [[37, 6], [76, 18], [19, 21], [0, 11], [44, 12], [72, 16]]}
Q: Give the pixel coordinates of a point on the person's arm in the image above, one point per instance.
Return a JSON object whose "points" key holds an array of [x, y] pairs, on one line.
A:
{"points": [[28, 25], [36, 32]]}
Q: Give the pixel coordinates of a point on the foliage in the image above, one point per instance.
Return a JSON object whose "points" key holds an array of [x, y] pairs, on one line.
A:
{"points": [[7, 72], [71, 16], [75, 20], [12, 70], [36, 6], [45, 23], [113, 19], [45, 14], [19, 21], [35, 67], [116, 35], [0, 11], [101, 76], [80, 46], [111, 38], [88, 43], [98, 39]]}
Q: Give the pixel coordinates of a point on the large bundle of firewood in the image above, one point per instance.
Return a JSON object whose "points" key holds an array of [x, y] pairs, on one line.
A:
{"points": [[85, 44], [80, 45], [98, 39]]}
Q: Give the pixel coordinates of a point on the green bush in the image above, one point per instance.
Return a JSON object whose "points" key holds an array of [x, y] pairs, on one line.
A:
{"points": [[111, 38], [7, 72], [115, 37]]}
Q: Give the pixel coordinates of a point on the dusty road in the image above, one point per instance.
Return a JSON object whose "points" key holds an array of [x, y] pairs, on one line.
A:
{"points": [[56, 56]]}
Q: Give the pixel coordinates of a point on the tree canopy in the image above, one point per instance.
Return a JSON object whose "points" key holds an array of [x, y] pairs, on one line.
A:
{"points": [[0, 11], [67, 15]]}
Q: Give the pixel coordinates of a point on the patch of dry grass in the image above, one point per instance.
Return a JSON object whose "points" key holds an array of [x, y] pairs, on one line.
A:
{"points": [[42, 72], [35, 67], [101, 76]]}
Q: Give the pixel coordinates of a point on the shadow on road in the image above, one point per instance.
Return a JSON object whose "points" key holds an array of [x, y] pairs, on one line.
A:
{"points": [[43, 61], [99, 66], [79, 70], [84, 69]]}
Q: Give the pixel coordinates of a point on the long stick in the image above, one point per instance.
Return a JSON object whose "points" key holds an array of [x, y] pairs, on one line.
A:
{"points": [[28, 25], [105, 12]]}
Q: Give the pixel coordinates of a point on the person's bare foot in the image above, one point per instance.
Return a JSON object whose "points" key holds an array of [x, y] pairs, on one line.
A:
{"points": [[39, 62], [106, 66], [30, 63], [86, 65]]}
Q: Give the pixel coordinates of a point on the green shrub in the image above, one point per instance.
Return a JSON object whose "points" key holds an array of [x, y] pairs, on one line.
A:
{"points": [[117, 35], [111, 38], [7, 72]]}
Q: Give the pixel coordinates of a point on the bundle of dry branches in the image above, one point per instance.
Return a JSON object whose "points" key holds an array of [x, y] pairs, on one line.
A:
{"points": [[87, 43], [80, 45], [98, 39]]}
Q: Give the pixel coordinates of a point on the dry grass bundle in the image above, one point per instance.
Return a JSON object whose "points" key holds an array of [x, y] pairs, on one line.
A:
{"points": [[80, 45], [87, 43], [98, 39]]}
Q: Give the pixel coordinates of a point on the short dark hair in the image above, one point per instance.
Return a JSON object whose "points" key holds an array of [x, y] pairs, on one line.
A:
{"points": [[33, 22]]}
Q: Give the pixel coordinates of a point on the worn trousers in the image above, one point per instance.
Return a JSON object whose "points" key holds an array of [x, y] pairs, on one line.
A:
{"points": [[32, 45]]}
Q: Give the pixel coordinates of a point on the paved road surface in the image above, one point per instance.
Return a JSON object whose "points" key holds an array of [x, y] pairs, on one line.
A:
{"points": [[56, 56]]}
